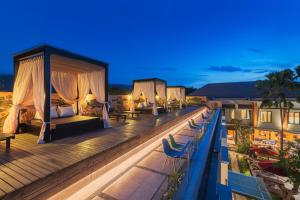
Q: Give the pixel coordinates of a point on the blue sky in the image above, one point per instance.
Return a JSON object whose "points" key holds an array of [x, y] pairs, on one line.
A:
{"points": [[187, 42]]}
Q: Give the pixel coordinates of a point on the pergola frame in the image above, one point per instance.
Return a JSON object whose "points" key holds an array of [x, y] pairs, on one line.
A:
{"points": [[155, 80], [179, 86], [47, 51]]}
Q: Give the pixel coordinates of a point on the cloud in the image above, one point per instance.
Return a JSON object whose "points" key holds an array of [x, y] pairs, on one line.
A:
{"points": [[258, 70], [255, 50], [161, 68], [227, 69]]}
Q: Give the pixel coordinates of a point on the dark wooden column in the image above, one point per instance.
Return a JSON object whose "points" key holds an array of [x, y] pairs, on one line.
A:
{"points": [[166, 99], [47, 88]]}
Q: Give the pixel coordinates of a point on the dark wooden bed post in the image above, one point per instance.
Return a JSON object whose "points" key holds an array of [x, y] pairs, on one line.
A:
{"points": [[47, 89], [166, 100], [155, 93], [106, 82]]}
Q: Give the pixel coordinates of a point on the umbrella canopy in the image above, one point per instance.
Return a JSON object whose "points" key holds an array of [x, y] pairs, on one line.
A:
{"points": [[264, 151], [269, 165]]}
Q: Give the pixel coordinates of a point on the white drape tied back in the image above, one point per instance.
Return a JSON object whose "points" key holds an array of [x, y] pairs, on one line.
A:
{"points": [[146, 88], [97, 86], [65, 84], [11, 123], [131, 103], [177, 93], [26, 93], [83, 90]]}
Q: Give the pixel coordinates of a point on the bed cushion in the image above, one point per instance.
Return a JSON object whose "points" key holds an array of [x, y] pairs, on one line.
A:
{"points": [[53, 113], [66, 111]]}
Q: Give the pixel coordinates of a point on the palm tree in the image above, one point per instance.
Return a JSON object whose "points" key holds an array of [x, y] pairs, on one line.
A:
{"points": [[274, 88], [297, 76]]}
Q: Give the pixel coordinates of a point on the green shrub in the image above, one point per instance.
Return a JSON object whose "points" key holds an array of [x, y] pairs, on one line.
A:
{"points": [[243, 165]]}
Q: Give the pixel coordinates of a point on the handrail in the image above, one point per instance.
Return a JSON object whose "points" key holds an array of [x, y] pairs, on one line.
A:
{"points": [[190, 187]]}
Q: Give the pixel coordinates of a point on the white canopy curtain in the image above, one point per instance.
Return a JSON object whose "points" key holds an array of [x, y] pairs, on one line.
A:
{"points": [[97, 85], [26, 93], [147, 89], [177, 93], [83, 89], [66, 84], [161, 89]]}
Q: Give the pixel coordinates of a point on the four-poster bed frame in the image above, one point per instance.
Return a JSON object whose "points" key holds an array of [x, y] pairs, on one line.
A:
{"points": [[65, 126], [181, 99], [155, 81]]}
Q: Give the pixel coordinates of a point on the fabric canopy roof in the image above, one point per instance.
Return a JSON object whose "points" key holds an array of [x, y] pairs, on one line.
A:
{"points": [[64, 64], [177, 93], [149, 88]]}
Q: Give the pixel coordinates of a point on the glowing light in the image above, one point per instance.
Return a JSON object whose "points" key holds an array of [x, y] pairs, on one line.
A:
{"points": [[157, 97], [89, 97], [129, 97]]}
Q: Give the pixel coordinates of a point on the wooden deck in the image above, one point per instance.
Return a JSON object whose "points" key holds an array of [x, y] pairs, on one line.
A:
{"points": [[31, 171]]}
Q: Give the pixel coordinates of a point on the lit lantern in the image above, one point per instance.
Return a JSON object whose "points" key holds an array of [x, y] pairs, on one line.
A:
{"points": [[129, 97], [89, 97]]}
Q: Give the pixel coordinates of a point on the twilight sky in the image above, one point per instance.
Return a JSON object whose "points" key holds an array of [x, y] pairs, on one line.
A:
{"points": [[185, 42]]}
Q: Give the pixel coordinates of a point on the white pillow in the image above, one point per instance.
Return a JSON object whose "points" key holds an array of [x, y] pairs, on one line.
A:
{"points": [[53, 113], [66, 111]]}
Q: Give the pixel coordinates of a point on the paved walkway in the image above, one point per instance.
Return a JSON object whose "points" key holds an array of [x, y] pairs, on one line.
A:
{"points": [[41, 167]]}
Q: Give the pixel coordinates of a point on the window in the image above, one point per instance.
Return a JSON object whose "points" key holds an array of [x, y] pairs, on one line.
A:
{"points": [[266, 116], [294, 118], [245, 114], [232, 113]]}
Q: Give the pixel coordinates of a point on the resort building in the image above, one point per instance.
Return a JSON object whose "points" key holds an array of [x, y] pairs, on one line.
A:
{"points": [[242, 101]]}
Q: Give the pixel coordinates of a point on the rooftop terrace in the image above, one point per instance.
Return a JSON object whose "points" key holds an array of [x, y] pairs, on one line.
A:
{"points": [[30, 170]]}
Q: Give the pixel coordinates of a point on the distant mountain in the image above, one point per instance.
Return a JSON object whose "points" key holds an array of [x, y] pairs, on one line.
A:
{"points": [[119, 89], [121, 86], [6, 82]]}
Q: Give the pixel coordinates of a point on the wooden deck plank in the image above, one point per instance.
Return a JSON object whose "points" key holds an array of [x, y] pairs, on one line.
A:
{"points": [[10, 180], [15, 174], [45, 160], [42, 167], [2, 193], [5, 186], [19, 170], [26, 167], [27, 160]]}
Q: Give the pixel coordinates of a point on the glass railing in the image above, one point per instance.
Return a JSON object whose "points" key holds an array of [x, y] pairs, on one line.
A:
{"points": [[203, 173]]}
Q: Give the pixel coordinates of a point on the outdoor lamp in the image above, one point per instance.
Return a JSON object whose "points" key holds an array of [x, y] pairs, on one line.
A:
{"points": [[156, 96]]}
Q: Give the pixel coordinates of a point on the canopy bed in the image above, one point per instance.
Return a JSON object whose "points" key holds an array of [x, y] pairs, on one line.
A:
{"points": [[149, 96], [176, 96], [73, 77]]}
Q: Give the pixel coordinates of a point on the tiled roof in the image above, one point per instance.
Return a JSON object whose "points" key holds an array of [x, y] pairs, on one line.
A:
{"points": [[234, 90]]}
